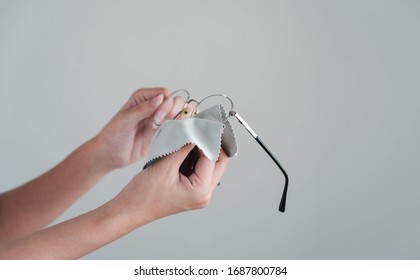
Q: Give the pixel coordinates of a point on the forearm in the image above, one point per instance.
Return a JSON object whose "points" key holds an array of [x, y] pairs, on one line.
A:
{"points": [[79, 236], [35, 204]]}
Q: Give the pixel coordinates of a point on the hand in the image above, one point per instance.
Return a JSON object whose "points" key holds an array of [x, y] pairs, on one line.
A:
{"points": [[162, 190], [126, 138]]}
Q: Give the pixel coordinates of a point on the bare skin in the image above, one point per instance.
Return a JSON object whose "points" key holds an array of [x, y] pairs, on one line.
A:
{"points": [[156, 192]]}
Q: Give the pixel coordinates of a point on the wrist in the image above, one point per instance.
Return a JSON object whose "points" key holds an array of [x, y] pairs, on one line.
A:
{"points": [[126, 216], [97, 153]]}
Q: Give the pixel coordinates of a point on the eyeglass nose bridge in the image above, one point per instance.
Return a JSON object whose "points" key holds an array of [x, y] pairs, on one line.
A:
{"points": [[187, 100], [190, 109], [195, 108]]}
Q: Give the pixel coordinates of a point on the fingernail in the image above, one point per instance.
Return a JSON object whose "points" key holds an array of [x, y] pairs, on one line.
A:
{"points": [[156, 100], [159, 117]]}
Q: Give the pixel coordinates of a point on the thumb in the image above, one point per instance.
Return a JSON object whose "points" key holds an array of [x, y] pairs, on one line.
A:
{"points": [[177, 158], [143, 110]]}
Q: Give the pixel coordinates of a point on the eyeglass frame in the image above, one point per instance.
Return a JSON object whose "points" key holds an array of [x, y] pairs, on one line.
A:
{"points": [[232, 113]]}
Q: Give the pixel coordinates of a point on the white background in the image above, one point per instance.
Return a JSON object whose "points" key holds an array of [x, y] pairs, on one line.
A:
{"points": [[332, 87]]}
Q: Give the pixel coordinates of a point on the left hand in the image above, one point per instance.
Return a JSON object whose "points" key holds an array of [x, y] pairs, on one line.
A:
{"points": [[126, 138]]}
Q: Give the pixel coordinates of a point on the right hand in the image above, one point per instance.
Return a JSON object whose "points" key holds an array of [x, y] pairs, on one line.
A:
{"points": [[162, 190]]}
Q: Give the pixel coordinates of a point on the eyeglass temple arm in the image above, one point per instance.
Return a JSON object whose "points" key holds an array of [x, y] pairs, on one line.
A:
{"points": [[282, 206]]}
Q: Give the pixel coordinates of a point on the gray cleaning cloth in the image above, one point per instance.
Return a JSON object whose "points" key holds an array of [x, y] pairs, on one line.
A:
{"points": [[206, 130]]}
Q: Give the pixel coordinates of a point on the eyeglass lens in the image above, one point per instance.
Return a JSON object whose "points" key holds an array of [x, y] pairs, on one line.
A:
{"points": [[181, 103]]}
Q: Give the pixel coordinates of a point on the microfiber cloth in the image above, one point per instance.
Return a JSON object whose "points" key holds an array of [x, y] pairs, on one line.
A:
{"points": [[206, 130]]}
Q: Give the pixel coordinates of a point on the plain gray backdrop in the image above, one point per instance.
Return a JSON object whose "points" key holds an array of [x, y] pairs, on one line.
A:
{"points": [[332, 87]]}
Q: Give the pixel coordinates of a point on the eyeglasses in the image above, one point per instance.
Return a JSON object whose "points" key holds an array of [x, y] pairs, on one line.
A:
{"points": [[191, 107]]}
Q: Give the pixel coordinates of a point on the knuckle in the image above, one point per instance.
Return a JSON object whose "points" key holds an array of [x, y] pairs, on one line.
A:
{"points": [[163, 90], [203, 200], [136, 92]]}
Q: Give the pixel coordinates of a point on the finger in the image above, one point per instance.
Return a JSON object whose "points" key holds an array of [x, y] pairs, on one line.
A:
{"points": [[167, 110], [142, 110], [162, 112], [150, 125], [175, 160], [177, 106], [220, 166], [204, 168], [185, 113], [144, 94]]}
